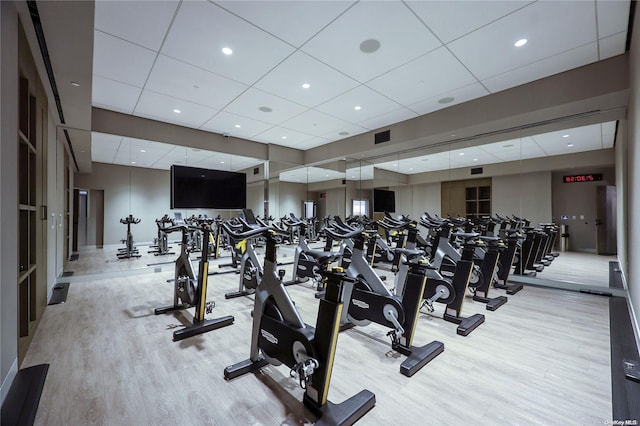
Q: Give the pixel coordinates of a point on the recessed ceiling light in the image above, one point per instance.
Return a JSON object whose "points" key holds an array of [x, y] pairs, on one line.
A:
{"points": [[75, 84], [462, 153], [394, 165], [410, 168], [143, 150], [177, 111], [369, 46], [520, 42], [265, 109], [222, 162], [133, 162], [227, 50], [446, 100], [475, 159], [284, 137], [305, 85], [453, 136], [237, 126], [357, 107], [569, 145], [565, 136], [83, 150], [352, 177], [326, 175]]}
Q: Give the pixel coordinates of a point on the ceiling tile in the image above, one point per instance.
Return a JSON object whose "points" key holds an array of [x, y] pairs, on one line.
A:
{"points": [[490, 50], [249, 102], [314, 123], [120, 60], [387, 118], [104, 147], [287, 78], [372, 105], [429, 75], [124, 19], [225, 122], [113, 95], [559, 63], [583, 138], [613, 45], [608, 129], [613, 17], [281, 136], [312, 143], [344, 132], [452, 19], [200, 31], [160, 107], [401, 35], [459, 96], [293, 22], [184, 81]]}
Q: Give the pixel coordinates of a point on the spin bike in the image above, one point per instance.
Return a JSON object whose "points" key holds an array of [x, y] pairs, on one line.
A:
{"points": [[305, 264], [162, 241], [449, 291], [130, 250], [370, 301], [251, 272], [191, 291], [280, 336]]}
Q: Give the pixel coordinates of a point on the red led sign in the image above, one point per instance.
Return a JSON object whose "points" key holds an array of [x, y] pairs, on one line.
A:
{"points": [[590, 177]]}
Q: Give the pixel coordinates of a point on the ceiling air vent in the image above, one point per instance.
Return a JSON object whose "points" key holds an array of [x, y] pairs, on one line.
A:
{"points": [[476, 171], [383, 136]]}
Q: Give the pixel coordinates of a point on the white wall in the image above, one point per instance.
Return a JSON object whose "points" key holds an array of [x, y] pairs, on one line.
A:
{"points": [[633, 154], [417, 199], [255, 197], [142, 192], [526, 195]]}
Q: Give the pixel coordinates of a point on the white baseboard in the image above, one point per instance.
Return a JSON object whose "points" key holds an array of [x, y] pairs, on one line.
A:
{"points": [[6, 383]]}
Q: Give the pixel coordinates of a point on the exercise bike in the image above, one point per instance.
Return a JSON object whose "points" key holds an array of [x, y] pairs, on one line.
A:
{"points": [[130, 250], [280, 336], [305, 264], [162, 241], [370, 301], [191, 291]]}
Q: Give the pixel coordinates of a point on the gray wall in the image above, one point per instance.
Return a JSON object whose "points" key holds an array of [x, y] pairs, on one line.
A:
{"points": [[9, 194], [578, 202], [633, 154], [525, 195]]}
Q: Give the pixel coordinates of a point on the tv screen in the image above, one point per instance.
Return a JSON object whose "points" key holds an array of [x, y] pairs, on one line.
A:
{"points": [[384, 200], [192, 187]]}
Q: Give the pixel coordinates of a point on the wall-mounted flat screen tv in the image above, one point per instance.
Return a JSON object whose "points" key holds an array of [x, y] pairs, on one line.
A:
{"points": [[384, 200], [192, 187]]}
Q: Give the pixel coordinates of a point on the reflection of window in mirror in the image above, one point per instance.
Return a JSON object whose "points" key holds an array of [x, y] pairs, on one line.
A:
{"points": [[360, 207], [309, 209]]}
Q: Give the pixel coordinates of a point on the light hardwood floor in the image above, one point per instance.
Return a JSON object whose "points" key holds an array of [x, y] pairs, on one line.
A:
{"points": [[543, 358]]}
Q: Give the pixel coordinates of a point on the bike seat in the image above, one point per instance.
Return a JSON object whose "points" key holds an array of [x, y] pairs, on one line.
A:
{"points": [[322, 257], [410, 253], [465, 235], [488, 239]]}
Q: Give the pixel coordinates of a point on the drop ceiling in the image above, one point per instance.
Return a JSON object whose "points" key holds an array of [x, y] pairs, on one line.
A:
{"points": [[164, 60]]}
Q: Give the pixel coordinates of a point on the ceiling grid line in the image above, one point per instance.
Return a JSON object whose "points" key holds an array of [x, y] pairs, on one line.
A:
{"points": [[175, 13]]}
